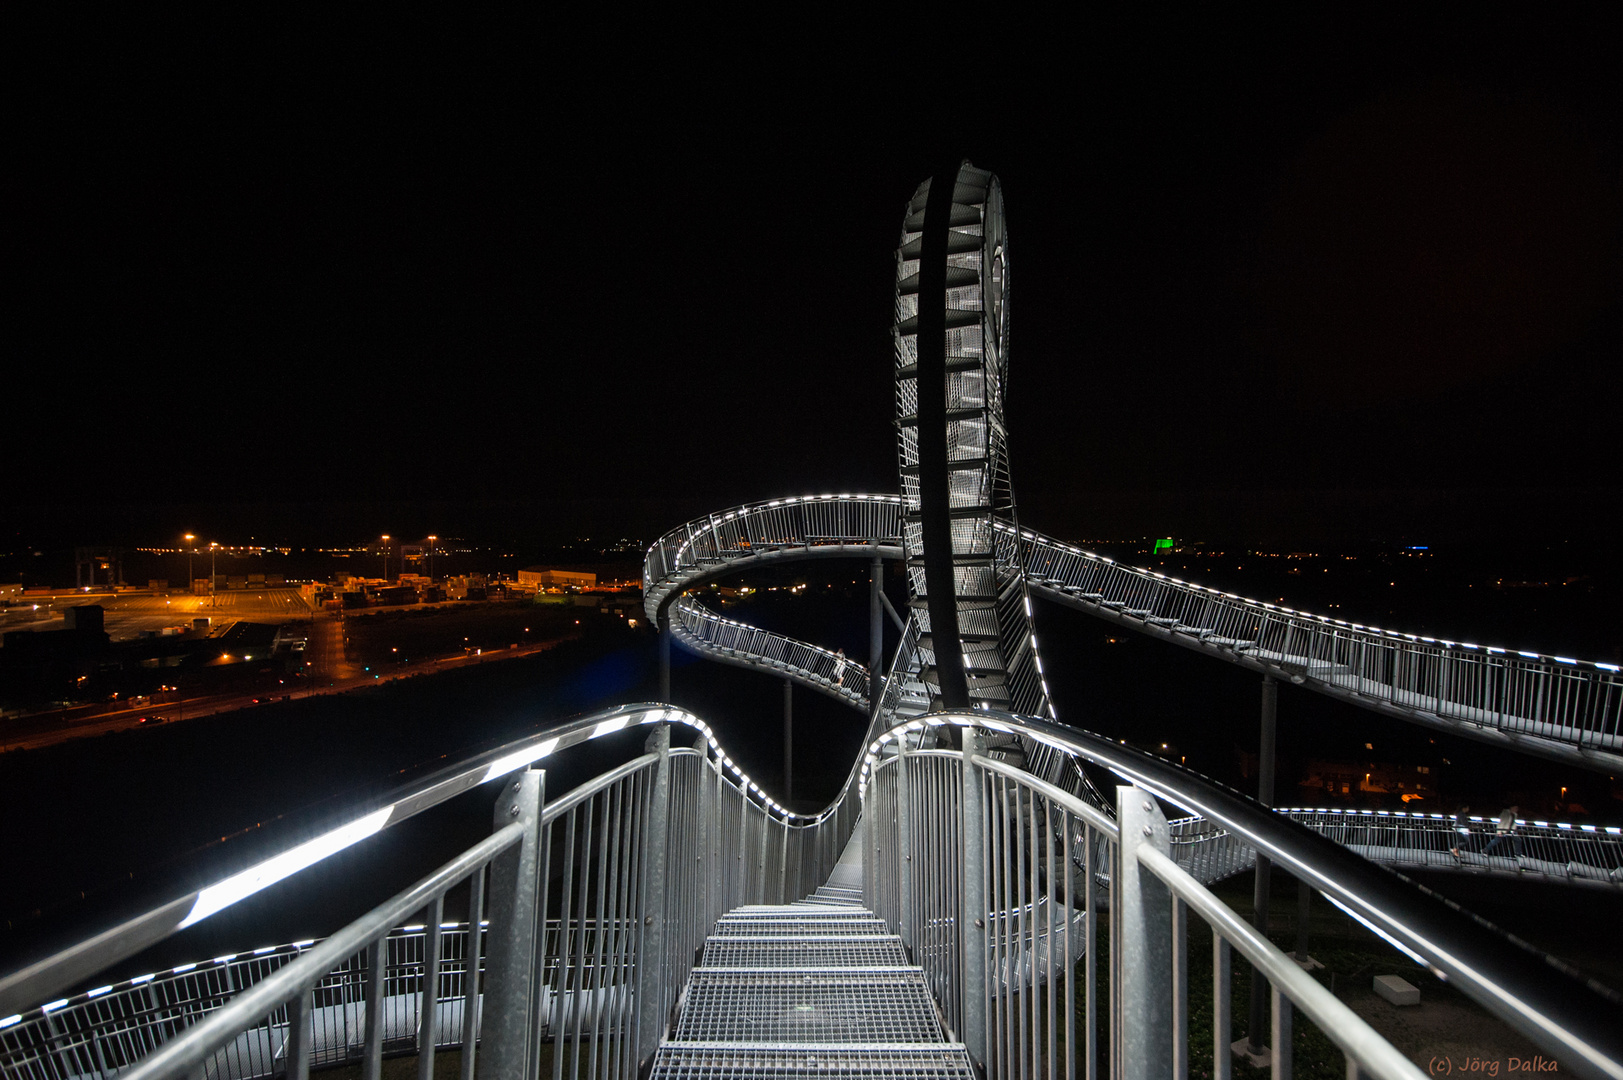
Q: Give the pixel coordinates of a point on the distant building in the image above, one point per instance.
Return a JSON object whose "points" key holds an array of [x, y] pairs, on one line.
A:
{"points": [[465, 587], [543, 577]]}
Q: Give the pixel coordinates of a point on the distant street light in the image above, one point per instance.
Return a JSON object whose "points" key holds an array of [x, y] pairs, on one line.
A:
{"points": [[213, 548], [385, 556], [431, 539], [192, 540]]}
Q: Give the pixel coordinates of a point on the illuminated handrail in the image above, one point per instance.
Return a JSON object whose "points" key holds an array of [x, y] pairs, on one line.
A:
{"points": [[40, 980], [1554, 706], [1019, 841], [718, 638], [1548, 704]]}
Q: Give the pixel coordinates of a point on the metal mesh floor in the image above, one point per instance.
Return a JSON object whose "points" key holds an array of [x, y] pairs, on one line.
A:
{"points": [[869, 950], [813, 924], [698, 1062], [800, 907], [766, 1006]]}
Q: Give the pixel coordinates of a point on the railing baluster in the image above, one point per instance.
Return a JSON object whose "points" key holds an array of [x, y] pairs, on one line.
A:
{"points": [[1180, 990], [428, 1009], [509, 1004], [372, 1047], [1222, 979], [470, 982]]}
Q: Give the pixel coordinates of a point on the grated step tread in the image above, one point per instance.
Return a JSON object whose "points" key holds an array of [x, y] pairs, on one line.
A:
{"points": [[813, 924], [678, 1061], [888, 1005], [870, 951]]}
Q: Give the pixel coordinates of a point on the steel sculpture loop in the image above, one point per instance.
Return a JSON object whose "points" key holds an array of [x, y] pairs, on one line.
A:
{"points": [[940, 916]]}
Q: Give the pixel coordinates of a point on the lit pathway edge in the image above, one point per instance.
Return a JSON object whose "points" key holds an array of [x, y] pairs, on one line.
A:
{"points": [[26, 987], [1551, 706]]}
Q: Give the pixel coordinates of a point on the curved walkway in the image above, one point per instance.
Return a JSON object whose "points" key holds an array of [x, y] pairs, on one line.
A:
{"points": [[1552, 706]]}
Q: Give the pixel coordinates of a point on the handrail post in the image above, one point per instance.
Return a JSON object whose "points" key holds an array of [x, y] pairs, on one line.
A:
{"points": [[664, 628], [973, 914], [1143, 904], [511, 1014], [651, 954], [876, 633], [1258, 1019], [702, 799], [904, 849]]}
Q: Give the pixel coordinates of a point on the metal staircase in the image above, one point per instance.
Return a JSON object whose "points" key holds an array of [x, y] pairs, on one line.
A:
{"points": [[819, 987]]}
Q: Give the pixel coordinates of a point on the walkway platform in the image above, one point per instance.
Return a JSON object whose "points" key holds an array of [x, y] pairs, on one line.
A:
{"points": [[813, 988]]}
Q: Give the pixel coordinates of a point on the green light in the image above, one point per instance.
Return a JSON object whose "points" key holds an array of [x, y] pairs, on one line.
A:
{"points": [[1163, 544]]}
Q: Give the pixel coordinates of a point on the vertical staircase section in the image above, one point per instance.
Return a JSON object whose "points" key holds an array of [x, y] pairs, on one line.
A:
{"points": [[819, 987]]}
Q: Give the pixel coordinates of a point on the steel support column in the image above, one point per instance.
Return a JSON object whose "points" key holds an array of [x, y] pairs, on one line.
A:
{"points": [[1143, 904], [973, 830], [876, 634], [665, 656], [651, 950], [1258, 1020], [788, 739], [904, 849], [509, 1007]]}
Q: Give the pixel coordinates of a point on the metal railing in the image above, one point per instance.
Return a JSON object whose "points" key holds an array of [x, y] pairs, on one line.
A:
{"points": [[998, 881], [729, 641], [594, 904], [1550, 701], [1554, 706], [1579, 854], [798, 526]]}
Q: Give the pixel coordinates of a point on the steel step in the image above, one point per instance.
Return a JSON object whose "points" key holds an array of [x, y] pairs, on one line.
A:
{"points": [[699, 1061], [825, 1005], [834, 950], [815, 923]]}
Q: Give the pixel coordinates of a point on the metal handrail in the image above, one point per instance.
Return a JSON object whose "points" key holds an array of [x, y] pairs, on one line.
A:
{"points": [[800, 526], [650, 853], [44, 978], [1551, 1005], [1554, 706], [1561, 852], [1546, 704], [711, 635]]}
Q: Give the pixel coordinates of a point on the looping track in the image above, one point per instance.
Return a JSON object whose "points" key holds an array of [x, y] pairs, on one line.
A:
{"points": [[1550, 706]]}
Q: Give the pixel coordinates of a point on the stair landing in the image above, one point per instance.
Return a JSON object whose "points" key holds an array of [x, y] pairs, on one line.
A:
{"points": [[814, 988]]}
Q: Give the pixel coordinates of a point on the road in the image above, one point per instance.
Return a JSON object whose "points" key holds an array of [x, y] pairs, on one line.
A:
{"points": [[338, 677], [127, 615]]}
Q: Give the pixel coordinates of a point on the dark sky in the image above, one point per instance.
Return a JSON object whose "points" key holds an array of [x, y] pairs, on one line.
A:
{"points": [[1356, 269]]}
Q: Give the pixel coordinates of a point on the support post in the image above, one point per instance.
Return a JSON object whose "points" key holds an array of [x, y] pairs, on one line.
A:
{"points": [[510, 1010], [372, 1048], [973, 918], [876, 634], [651, 951], [428, 1010], [1258, 1021], [665, 656], [1304, 898], [904, 848], [788, 739], [1143, 904], [706, 804]]}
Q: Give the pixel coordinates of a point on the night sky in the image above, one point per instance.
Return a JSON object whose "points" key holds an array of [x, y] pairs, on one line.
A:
{"points": [[1339, 273]]}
